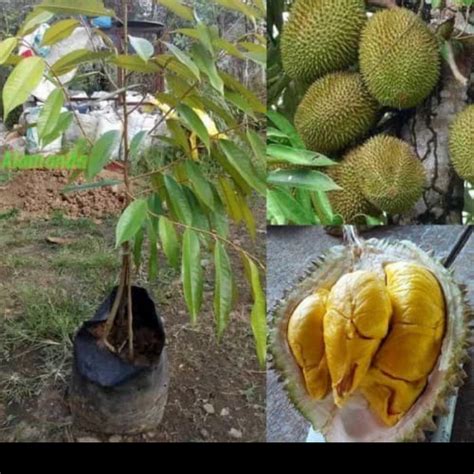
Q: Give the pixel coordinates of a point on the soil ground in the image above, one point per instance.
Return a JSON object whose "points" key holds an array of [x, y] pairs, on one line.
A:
{"points": [[54, 272]]}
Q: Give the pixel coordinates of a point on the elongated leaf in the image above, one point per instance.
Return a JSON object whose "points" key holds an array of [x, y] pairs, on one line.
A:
{"points": [[135, 64], [184, 59], [286, 209], [6, 49], [101, 152], [207, 65], [178, 201], [230, 48], [305, 179], [59, 31], [70, 61], [49, 116], [241, 7], [76, 7], [21, 83], [169, 241], [192, 121], [138, 247], [153, 257], [230, 199], [178, 9], [131, 221], [240, 161], [63, 123], [248, 217], [257, 144], [136, 143], [87, 186], [285, 126], [223, 289], [294, 156], [33, 20], [142, 47], [192, 273], [200, 184], [258, 314], [233, 84]]}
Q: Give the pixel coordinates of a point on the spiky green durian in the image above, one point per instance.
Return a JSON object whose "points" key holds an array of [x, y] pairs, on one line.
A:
{"points": [[461, 144], [388, 173], [321, 36], [355, 421], [349, 202], [399, 58], [336, 111]]}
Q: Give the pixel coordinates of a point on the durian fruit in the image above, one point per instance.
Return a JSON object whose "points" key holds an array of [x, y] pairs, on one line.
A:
{"points": [[388, 173], [356, 321], [321, 36], [335, 111], [399, 58], [401, 366], [305, 337], [461, 144], [356, 420], [348, 202]]}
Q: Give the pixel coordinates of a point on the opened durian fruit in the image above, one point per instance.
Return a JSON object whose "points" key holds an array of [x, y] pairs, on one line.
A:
{"points": [[371, 342]]}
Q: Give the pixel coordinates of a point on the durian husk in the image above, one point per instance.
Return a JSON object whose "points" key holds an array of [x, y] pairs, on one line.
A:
{"points": [[355, 421]]}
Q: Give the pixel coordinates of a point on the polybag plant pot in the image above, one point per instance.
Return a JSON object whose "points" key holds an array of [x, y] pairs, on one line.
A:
{"points": [[109, 394]]}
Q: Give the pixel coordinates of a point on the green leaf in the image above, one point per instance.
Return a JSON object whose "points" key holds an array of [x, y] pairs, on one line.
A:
{"points": [[136, 143], [153, 257], [138, 246], [286, 127], [59, 31], [241, 7], [192, 121], [169, 241], [178, 201], [178, 9], [258, 314], [207, 65], [70, 61], [131, 221], [77, 7], [223, 289], [63, 123], [305, 179], [257, 144], [87, 186], [230, 48], [135, 64], [6, 49], [184, 59], [142, 47], [294, 156], [230, 198], [49, 116], [21, 83], [283, 207], [192, 273], [33, 20], [200, 184], [101, 152], [240, 161], [233, 84]]}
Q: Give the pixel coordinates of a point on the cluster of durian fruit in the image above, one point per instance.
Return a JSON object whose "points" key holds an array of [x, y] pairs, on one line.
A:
{"points": [[380, 337], [398, 67]]}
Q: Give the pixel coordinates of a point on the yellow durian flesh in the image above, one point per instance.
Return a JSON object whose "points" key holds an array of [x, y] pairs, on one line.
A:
{"points": [[356, 320], [305, 338], [411, 349]]}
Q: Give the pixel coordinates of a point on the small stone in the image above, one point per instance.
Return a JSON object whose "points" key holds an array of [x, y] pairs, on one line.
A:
{"points": [[115, 439], [204, 433], [225, 412], [88, 439], [233, 433], [209, 409]]}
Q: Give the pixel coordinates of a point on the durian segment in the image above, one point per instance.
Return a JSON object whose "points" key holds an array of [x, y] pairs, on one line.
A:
{"points": [[321, 36], [305, 338], [389, 174], [461, 144], [356, 320], [348, 202], [335, 111], [388, 397], [399, 58], [411, 349]]}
